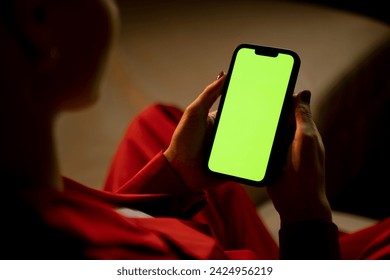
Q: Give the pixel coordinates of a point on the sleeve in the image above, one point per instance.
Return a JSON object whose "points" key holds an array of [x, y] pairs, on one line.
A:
{"points": [[308, 240], [158, 177], [139, 166]]}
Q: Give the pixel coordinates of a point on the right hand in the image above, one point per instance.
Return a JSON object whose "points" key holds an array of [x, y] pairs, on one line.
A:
{"points": [[300, 193]]}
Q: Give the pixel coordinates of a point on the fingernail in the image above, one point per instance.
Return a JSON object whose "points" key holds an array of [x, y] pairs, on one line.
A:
{"points": [[220, 75], [305, 96]]}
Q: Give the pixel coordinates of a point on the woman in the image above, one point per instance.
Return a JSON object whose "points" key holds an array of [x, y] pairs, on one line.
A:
{"points": [[158, 203]]}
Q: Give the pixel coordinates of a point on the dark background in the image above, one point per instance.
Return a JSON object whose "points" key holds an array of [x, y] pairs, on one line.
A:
{"points": [[376, 9]]}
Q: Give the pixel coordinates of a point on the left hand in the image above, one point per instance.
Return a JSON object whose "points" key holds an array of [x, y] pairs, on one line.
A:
{"points": [[186, 152]]}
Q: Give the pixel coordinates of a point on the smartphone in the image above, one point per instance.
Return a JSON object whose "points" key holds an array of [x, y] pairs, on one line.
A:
{"points": [[251, 133]]}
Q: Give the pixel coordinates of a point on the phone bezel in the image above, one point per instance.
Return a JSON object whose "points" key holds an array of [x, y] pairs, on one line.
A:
{"points": [[283, 134]]}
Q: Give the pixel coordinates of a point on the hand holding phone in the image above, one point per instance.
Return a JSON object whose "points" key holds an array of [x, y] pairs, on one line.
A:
{"points": [[252, 116]]}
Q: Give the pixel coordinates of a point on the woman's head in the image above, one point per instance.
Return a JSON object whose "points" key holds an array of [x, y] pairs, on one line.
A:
{"points": [[54, 51]]}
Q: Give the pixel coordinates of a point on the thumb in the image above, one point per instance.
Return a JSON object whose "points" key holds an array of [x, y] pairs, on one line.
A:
{"points": [[303, 113]]}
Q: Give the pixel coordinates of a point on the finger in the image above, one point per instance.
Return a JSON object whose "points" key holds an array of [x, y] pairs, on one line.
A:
{"points": [[213, 115], [306, 127], [303, 115], [210, 94]]}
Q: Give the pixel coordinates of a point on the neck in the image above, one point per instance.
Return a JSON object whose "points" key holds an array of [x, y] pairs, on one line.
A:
{"points": [[28, 150]]}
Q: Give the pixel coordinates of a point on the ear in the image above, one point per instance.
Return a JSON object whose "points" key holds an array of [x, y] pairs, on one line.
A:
{"points": [[31, 19]]}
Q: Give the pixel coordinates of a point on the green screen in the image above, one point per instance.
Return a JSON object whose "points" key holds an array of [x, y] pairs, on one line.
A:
{"points": [[250, 114]]}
